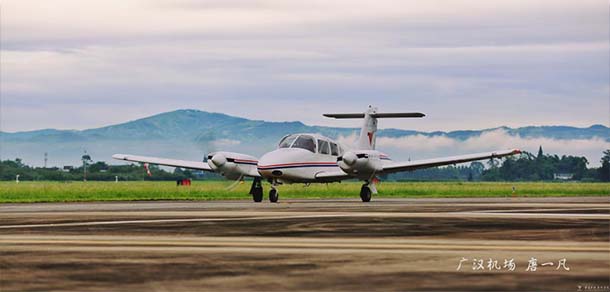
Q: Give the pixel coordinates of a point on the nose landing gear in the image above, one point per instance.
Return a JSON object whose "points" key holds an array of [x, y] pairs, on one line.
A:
{"points": [[273, 195]]}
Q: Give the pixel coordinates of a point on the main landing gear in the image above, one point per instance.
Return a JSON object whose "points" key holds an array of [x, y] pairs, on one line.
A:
{"points": [[367, 190], [365, 193], [257, 190]]}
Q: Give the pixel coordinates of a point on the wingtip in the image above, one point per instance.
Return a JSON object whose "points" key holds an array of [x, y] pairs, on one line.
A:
{"points": [[119, 156]]}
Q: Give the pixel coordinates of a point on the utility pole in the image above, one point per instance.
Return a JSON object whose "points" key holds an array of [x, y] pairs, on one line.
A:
{"points": [[46, 158], [86, 159]]}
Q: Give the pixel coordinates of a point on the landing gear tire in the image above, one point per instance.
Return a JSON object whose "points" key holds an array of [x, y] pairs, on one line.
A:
{"points": [[257, 196], [273, 196], [257, 190], [365, 193]]}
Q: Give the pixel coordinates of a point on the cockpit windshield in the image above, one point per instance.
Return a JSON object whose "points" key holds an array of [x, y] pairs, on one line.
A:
{"points": [[287, 141], [305, 142]]}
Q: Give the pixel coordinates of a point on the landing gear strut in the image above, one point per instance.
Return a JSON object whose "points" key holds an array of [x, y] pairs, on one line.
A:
{"points": [[257, 190]]}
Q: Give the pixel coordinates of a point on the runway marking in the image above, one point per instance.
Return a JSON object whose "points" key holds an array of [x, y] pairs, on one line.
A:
{"points": [[539, 215], [51, 242], [205, 206], [607, 209], [146, 221], [274, 216], [284, 211]]}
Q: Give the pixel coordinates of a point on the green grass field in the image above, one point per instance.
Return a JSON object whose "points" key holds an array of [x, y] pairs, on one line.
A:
{"points": [[11, 192]]}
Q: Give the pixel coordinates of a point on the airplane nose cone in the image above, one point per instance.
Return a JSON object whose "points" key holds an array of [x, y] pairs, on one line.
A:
{"points": [[274, 164], [269, 159], [219, 160]]}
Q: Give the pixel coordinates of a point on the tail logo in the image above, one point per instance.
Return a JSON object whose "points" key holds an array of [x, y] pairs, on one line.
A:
{"points": [[370, 134]]}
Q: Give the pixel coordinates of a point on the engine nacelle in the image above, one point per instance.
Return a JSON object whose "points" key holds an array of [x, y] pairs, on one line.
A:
{"points": [[233, 165], [362, 163]]}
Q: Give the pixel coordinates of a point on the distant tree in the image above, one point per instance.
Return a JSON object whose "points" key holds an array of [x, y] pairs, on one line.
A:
{"points": [[98, 166], [540, 153], [477, 168], [604, 171], [493, 163]]}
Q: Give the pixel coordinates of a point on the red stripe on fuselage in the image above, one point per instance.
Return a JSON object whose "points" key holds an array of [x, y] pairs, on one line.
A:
{"points": [[246, 160], [298, 163]]}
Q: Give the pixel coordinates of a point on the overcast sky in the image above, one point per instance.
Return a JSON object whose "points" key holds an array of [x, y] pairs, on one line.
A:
{"points": [[467, 64]]}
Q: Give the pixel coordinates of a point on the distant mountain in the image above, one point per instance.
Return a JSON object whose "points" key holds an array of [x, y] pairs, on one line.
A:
{"points": [[189, 134]]}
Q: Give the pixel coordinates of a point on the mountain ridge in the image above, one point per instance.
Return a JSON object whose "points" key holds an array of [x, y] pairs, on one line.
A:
{"points": [[191, 134], [163, 125]]}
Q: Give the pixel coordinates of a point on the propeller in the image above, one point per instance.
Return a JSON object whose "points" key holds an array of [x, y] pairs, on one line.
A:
{"points": [[205, 143], [235, 183]]}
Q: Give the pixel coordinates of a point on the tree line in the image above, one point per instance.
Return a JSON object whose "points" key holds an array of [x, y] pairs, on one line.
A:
{"points": [[98, 171], [525, 167]]}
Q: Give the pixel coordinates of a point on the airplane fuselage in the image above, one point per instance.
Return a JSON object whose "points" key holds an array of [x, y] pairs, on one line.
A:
{"points": [[299, 164]]}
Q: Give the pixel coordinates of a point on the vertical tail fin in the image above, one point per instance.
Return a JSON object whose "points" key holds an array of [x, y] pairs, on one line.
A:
{"points": [[368, 133]]}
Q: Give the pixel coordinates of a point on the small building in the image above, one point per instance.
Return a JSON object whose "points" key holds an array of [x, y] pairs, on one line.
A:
{"points": [[563, 176], [67, 168]]}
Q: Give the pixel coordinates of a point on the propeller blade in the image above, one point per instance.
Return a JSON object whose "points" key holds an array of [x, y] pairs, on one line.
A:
{"points": [[235, 183]]}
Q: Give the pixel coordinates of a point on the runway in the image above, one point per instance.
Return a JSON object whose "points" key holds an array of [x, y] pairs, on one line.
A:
{"points": [[388, 244]]}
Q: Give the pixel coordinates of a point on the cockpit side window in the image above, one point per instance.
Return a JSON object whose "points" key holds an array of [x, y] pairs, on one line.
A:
{"points": [[305, 142], [334, 150], [287, 141], [323, 147]]}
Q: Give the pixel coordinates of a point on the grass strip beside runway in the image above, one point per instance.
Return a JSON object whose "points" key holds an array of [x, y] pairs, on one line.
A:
{"points": [[11, 192]]}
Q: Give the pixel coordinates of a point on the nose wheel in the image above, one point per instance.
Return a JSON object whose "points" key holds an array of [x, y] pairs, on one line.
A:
{"points": [[273, 195]]}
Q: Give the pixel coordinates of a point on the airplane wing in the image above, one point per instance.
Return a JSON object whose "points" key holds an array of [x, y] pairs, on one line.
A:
{"points": [[164, 161], [425, 163]]}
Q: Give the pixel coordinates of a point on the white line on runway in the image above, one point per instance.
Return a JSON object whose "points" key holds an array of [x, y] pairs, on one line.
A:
{"points": [[118, 222], [329, 215], [296, 243]]}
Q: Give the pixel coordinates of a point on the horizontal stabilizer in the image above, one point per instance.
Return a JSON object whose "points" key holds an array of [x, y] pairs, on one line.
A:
{"points": [[345, 116], [398, 115], [375, 115]]}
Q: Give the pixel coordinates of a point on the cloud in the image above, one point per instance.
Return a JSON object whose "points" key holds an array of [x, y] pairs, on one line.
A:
{"points": [[420, 146], [225, 143], [466, 63]]}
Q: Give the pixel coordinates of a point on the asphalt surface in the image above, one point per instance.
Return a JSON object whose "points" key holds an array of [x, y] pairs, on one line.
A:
{"points": [[388, 244]]}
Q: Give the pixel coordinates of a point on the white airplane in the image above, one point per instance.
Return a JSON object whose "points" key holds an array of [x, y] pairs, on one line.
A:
{"points": [[312, 158]]}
